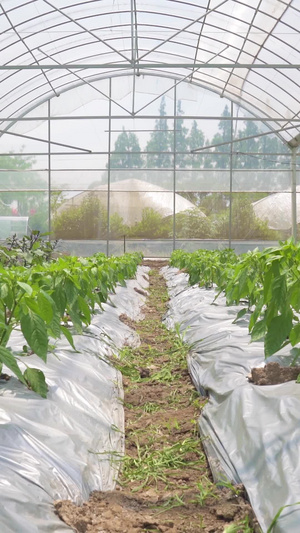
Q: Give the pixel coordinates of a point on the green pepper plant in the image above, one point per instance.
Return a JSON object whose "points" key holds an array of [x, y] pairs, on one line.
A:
{"points": [[268, 280], [43, 299]]}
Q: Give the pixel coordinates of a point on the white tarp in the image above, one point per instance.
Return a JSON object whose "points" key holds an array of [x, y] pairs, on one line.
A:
{"points": [[251, 433], [60, 447]]}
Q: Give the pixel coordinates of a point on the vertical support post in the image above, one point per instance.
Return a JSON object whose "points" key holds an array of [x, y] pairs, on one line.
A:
{"points": [[174, 167], [230, 175], [49, 167], [108, 171], [133, 54], [294, 192]]}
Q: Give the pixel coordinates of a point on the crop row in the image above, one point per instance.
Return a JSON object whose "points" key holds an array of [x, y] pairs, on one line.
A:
{"points": [[44, 299], [267, 281]]}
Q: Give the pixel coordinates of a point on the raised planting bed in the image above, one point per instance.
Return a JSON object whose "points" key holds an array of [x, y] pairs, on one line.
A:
{"points": [[60, 447], [251, 433]]}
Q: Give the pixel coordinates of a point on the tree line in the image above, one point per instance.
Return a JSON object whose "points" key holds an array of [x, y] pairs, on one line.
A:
{"points": [[254, 153]]}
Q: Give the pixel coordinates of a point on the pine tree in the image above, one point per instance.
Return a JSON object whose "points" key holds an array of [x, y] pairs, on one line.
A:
{"points": [[181, 139], [196, 139], [223, 135], [126, 153], [269, 144], [246, 147], [160, 143]]}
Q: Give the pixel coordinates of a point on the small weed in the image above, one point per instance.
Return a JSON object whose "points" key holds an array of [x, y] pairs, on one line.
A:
{"points": [[195, 428], [193, 396], [179, 341], [150, 407], [151, 466], [173, 424], [164, 375], [276, 517], [153, 432], [243, 526], [115, 428], [174, 501], [198, 403], [206, 489], [174, 397], [226, 483]]}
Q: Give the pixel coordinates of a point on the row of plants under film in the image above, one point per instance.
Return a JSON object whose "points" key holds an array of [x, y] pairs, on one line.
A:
{"points": [[43, 294], [266, 281]]}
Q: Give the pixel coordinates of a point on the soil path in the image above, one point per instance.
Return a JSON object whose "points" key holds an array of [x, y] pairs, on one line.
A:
{"points": [[165, 484]]}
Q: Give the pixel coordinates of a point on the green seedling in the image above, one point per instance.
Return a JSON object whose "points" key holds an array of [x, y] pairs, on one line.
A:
{"points": [[151, 407], [173, 424], [151, 466], [116, 429], [164, 375], [174, 501], [243, 526], [277, 516], [206, 489], [227, 484], [174, 397]]}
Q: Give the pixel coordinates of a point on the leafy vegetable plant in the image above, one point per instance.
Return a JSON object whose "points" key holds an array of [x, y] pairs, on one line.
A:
{"points": [[28, 250], [268, 281], [44, 299]]}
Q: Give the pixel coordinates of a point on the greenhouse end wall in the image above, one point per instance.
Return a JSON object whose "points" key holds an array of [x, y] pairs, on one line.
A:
{"points": [[121, 181]]}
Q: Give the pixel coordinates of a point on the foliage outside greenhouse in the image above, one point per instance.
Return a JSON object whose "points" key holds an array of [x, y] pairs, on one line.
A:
{"points": [[89, 219]]}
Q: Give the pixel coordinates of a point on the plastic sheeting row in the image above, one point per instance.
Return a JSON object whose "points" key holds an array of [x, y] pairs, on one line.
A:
{"points": [[60, 447], [251, 433]]}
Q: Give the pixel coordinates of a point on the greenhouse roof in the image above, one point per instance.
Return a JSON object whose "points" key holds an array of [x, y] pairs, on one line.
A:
{"points": [[245, 50]]}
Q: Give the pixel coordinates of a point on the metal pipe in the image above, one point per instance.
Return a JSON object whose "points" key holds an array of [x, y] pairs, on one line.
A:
{"points": [[143, 117], [294, 192], [7, 132], [49, 168], [174, 167], [176, 83], [242, 139], [230, 176], [182, 30], [108, 170], [145, 66]]}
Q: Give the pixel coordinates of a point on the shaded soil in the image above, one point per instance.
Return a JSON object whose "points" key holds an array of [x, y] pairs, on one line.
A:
{"points": [[165, 484], [273, 374]]}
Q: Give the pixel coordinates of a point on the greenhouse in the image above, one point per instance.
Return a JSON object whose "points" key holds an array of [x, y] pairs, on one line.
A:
{"points": [[199, 98], [149, 266]]}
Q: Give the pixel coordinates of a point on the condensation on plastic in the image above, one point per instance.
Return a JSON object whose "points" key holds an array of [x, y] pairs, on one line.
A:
{"points": [[251, 433], [67, 445]]}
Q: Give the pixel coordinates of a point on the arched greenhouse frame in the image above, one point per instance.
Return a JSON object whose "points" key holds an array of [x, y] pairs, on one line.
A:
{"points": [[150, 126]]}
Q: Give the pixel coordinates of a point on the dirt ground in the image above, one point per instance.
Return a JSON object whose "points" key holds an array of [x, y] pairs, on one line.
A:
{"points": [[165, 483], [273, 374]]}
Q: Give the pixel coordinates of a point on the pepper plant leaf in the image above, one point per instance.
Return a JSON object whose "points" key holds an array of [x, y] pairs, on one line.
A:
{"points": [[7, 358], [278, 333], [295, 335], [258, 331], [35, 332], [25, 287], [67, 333], [35, 379]]}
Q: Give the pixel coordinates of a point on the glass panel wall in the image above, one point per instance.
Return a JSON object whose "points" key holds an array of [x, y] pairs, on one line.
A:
{"points": [[122, 166]]}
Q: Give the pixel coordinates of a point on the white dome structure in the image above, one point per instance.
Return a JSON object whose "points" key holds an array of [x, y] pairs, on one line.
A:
{"points": [[276, 210], [129, 197]]}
